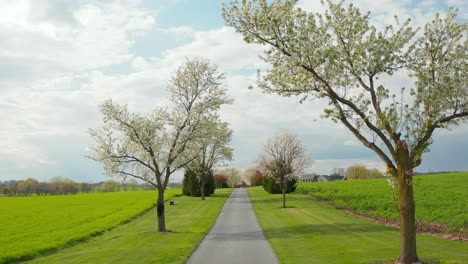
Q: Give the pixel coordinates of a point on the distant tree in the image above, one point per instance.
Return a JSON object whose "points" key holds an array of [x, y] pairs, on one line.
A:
{"points": [[133, 184], [375, 173], [42, 188], [220, 181], [147, 186], [283, 159], [6, 190], [60, 185], [249, 174], [85, 187], [210, 186], [14, 189], [190, 184], [272, 187], [110, 186], [56, 185], [341, 57], [257, 180], [28, 187], [124, 184], [233, 176], [358, 171], [214, 151], [151, 148], [338, 172], [71, 187]]}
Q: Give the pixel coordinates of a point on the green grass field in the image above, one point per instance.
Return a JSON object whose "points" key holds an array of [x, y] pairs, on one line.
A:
{"points": [[312, 232], [439, 198], [30, 226], [138, 242]]}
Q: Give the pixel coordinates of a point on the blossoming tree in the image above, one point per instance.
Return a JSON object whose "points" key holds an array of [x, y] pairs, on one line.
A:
{"points": [[340, 57], [151, 148]]}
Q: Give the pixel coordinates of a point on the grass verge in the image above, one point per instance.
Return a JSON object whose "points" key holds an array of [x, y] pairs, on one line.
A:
{"points": [[139, 242], [311, 232]]}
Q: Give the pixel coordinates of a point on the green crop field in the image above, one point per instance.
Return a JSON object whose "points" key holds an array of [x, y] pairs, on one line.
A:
{"points": [[439, 198], [30, 226]]}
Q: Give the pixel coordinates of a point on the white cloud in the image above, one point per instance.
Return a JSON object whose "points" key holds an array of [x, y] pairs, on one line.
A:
{"points": [[326, 166], [96, 34], [180, 32], [222, 46], [383, 12], [49, 50], [58, 62], [312, 6]]}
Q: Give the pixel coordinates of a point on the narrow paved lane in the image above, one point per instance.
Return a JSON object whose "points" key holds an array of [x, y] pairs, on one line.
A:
{"points": [[236, 236]]}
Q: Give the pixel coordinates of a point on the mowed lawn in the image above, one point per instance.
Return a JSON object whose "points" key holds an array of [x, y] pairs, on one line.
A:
{"points": [[30, 226], [441, 198], [139, 242], [311, 232]]}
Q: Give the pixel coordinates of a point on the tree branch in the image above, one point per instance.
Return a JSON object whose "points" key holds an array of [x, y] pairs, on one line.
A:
{"points": [[419, 148], [361, 138], [138, 177], [332, 94], [134, 131], [133, 159]]}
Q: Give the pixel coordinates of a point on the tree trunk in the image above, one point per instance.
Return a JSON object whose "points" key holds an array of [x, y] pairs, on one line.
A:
{"points": [[284, 199], [408, 253], [202, 191], [160, 209]]}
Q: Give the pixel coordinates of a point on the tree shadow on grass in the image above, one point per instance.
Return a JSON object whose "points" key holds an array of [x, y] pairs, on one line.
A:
{"points": [[424, 261], [268, 200], [239, 236], [323, 229], [287, 207], [217, 194], [241, 201]]}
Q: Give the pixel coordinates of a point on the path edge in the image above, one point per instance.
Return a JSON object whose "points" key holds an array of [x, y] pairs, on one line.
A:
{"points": [[261, 227], [209, 230]]}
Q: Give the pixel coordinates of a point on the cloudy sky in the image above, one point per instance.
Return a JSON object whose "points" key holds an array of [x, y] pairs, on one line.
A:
{"points": [[59, 59]]}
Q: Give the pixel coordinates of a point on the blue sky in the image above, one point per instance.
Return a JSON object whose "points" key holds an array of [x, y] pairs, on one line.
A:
{"points": [[59, 59]]}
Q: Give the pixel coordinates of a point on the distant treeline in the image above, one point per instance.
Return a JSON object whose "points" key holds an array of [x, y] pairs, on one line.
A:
{"points": [[62, 186], [434, 172]]}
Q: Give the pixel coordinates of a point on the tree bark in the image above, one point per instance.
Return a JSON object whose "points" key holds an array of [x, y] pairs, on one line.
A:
{"points": [[202, 191], [283, 190], [284, 198], [160, 209], [408, 253]]}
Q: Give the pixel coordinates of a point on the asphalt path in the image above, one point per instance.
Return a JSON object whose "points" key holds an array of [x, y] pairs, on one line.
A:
{"points": [[236, 237]]}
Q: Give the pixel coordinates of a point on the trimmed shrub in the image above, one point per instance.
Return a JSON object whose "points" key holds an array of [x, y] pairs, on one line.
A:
{"points": [[190, 185], [271, 187]]}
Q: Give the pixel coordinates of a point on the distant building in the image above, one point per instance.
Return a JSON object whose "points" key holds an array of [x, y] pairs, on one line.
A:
{"points": [[326, 178], [309, 177], [321, 178]]}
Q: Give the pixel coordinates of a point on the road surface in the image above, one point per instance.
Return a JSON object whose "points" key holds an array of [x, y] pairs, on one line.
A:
{"points": [[236, 236]]}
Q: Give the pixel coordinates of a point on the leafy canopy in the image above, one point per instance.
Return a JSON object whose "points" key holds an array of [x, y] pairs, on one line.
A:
{"points": [[154, 146], [340, 57]]}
